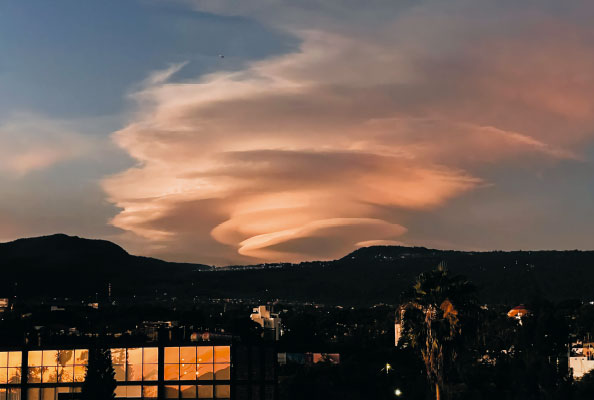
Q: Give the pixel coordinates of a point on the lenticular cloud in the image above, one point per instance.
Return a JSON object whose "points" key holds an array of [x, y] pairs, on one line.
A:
{"points": [[314, 153]]}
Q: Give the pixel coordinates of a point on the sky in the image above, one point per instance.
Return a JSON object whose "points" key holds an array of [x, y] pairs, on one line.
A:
{"points": [[231, 132]]}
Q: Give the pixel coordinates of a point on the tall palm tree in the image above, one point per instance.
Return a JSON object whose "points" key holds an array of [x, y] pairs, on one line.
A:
{"points": [[431, 320]]}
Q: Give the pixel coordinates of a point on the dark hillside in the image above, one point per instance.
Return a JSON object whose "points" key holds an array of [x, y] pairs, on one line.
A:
{"points": [[65, 266]]}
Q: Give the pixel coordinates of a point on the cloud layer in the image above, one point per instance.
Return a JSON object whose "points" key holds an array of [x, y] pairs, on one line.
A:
{"points": [[314, 153]]}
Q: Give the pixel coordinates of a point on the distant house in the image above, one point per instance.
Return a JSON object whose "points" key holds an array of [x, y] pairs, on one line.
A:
{"points": [[518, 312], [4, 304]]}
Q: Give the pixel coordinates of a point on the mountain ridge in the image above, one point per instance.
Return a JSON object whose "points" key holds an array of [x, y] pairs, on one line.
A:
{"points": [[81, 267]]}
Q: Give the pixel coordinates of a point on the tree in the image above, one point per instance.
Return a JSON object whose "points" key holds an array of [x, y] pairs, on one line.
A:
{"points": [[431, 321], [100, 380]]}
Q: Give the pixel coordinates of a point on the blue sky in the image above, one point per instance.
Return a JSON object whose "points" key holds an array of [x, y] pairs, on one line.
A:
{"points": [[72, 58]]}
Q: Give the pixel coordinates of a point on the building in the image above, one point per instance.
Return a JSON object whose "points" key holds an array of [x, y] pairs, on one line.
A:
{"points": [[268, 320], [3, 304], [518, 312], [580, 365], [180, 371]]}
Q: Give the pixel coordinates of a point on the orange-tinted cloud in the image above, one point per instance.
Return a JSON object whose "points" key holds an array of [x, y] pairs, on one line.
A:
{"points": [[314, 153], [30, 143]]}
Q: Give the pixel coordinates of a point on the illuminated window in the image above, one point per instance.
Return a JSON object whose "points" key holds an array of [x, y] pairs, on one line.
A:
{"points": [[222, 371], [51, 366], [134, 391], [150, 366], [35, 359], [222, 354], [171, 372], [187, 355], [150, 392], [32, 393], [205, 354], [205, 372], [81, 357], [171, 355], [133, 372], [203, 363], [150, 372], [10, 394], [187, 372], [120, 391], [49, 374], [79, 373], [222, 391], [48, 393], [205, 392], [10, 367], [118, 361], [135, 364], [151, 355], [34, 374], [187, 391], [222, 359], [171, 392]]}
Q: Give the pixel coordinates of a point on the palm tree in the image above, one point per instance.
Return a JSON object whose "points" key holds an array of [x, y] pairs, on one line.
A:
{"points": [[431, 320]]}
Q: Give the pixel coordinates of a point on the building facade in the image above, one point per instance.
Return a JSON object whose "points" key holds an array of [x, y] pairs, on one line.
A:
{"points": [[268, 320], [182, 371]]}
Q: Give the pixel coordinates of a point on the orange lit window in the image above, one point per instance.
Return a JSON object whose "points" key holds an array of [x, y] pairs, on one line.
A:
{"points": [[171, 355], [222, 354], [205, 392], [187, 391], [171, 392], [222, 371], [222, 391], [205, 354], [171, 372], [205, 372]]}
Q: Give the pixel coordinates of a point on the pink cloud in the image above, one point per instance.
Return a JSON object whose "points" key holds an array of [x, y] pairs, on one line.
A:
{"points": [[30, 143]]}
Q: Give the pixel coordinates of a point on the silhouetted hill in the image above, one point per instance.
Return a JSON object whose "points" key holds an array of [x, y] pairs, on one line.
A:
{"points": [[60, 248], [64, 266]]}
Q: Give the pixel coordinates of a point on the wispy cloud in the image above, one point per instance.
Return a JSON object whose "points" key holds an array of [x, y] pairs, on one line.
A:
{"points": [[31, 142]]}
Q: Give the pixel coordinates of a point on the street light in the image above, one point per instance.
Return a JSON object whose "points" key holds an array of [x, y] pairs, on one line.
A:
{"points": [[398, 392]]}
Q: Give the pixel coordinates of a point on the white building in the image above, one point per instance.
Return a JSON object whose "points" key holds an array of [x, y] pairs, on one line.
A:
{"points": [[581, 365], [268, 320]]}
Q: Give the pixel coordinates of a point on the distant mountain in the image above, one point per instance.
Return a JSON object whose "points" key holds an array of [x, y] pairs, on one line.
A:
{"points": [[62, 265], [60, 248], [65, 266]]}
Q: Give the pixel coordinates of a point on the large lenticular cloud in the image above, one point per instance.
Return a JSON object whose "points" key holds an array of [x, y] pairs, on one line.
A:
{"points": [[311, 154]]}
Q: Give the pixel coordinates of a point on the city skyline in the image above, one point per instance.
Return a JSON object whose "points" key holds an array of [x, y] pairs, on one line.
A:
{"points": [[218, 133]]}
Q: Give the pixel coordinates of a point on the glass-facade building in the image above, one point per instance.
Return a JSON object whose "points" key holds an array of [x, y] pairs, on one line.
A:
{"points": [[186, 371]]}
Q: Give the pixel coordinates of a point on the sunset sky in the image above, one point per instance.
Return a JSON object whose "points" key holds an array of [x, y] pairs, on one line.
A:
{"points": [[228, 131]]}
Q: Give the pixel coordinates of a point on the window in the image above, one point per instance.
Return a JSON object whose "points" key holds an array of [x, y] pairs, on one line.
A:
{"points": [[187, 391], [135, 364], [150, 392], [223, 391], [171, 392], [203, 363], [222, 359], [63, 366], [10, 367], [205, 392], [197, 391], [49, 393], [10, 394]]}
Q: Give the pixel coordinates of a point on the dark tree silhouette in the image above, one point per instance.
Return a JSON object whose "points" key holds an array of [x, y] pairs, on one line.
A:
{"points": [[100, 380], [432, 321]]}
